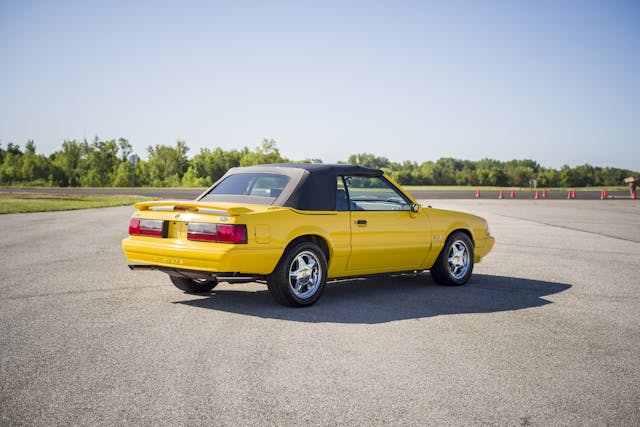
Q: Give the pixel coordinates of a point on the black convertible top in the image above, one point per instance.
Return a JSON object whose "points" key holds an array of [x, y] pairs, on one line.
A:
{"points": [[312, 186], [331, 170], [316, 190]]}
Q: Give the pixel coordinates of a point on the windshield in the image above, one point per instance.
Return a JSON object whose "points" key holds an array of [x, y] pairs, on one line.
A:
{"points": [[260, 188]]}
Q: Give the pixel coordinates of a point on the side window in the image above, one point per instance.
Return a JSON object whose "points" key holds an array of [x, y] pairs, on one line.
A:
{"points": [[373, 193]]}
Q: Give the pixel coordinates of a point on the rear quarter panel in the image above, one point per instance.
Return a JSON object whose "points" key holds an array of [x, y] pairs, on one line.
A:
{"points": [[273, 229]]}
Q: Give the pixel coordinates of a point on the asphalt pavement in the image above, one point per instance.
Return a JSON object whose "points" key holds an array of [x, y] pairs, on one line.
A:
{"points": [[547, 332]]}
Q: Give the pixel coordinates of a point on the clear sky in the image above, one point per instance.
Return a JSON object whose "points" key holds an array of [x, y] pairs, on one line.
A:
{"points": [[555, 81]]}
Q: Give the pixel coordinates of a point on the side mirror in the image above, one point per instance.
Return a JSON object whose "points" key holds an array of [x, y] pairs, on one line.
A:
{"points": [[415, 207]]}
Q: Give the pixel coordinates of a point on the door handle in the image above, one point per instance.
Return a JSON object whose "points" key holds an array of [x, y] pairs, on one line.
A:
{"points": [[361, 221]]}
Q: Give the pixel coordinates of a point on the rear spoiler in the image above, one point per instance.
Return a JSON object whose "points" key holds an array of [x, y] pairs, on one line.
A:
{"points": [[192, 206]]}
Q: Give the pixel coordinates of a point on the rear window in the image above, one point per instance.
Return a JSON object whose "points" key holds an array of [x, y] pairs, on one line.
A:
{"points": [[261, 188]]}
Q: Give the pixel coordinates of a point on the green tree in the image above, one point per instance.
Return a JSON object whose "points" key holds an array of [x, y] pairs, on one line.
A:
{"points": [[11, 167], [466, 176], [498, 177], [208, 166], [548, 178], [519, 175], [369, 160], [105, 163], [35, 167], [101, 164], [69, 161], [123, 176], [167, 165], [266, 153], [142, 174], [125, 149], [568, 176], [613, 176], [426, 172], [444, 171]]}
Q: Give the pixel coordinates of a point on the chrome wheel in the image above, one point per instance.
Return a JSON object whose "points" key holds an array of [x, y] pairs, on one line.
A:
{"points": [[458, 259], [299, 278], [305, 274]]}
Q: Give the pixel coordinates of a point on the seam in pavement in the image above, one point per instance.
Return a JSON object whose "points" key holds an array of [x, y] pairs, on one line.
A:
{"points": [[568, 228], [89, 291]]}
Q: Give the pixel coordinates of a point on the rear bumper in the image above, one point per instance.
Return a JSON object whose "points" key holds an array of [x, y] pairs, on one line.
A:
{"points": [[218, 258]]}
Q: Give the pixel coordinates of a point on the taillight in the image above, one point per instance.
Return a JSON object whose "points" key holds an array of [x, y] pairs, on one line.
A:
{"points": [[147, 227], [202, 231], [223, 233], [232, 233]]}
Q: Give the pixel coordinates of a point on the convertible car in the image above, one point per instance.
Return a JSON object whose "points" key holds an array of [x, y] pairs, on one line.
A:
{"points": [[296, 226]]}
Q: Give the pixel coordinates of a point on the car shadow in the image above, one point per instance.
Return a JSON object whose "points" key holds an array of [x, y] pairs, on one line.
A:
{"points": [[385, 299]]}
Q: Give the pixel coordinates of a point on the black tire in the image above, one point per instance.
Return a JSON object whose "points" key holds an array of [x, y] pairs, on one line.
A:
{"points": [[455, 262], [193, 286], [303, 290]]}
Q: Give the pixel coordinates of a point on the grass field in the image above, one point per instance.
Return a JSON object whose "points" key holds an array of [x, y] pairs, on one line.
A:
{"points": [[39, 202]]}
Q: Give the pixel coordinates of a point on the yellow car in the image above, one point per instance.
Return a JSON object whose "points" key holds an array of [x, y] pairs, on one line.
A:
{"points": [[297, 226]]}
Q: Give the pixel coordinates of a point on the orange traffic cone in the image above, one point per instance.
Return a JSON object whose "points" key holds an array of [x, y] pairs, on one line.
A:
{"points": [[544, 194], [536, 196], [573, 195], [501, 195], [603, 195], [513, 193], [478, 193], [569, 195]]}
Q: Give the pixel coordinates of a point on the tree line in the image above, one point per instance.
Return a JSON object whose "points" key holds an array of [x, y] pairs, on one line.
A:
{"points": [[108, 163]]}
